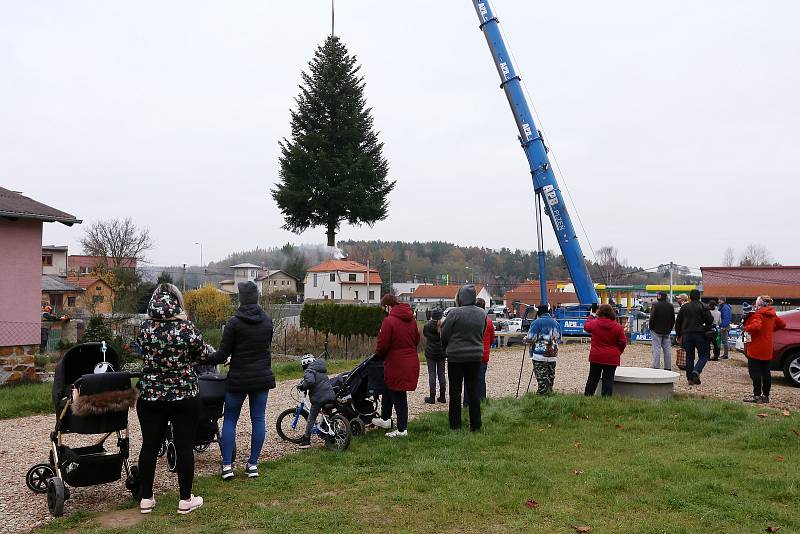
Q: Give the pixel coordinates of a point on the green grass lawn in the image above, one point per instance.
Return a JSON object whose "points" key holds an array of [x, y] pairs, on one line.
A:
{"points": [[34, 399], [25, 399], [539, 465]]}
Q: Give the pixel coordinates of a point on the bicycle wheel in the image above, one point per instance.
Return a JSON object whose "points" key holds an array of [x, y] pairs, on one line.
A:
{"points": [[341, 434], [291, 427]]}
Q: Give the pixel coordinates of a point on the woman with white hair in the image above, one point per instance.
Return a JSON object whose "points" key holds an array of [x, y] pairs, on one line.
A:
{"points": [[168, 392]]}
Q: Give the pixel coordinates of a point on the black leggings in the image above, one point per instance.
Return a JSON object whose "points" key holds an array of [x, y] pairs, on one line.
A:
{"points": [[398, 399], [468, 373], [596, 371], [153, 417], [761, 375]]}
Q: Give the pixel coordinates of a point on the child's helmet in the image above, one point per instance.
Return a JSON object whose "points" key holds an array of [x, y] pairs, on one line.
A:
{"points": [[306, 360]]}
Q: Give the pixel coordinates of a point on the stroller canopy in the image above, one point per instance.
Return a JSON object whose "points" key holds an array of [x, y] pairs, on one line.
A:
{"points": [[78, 361]]}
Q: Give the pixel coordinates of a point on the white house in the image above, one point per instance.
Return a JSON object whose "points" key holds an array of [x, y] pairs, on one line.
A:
{"points": [[54, 260], [343, 280], [427, 297], [405, 290]]}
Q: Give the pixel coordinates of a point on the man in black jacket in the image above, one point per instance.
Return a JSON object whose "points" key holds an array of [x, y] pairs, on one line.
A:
{"points": [[662, 319], [246, 342], [691, 325]]}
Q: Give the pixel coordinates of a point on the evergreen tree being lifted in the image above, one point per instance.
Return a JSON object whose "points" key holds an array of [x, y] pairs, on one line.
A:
{"points": [[332, 169]]}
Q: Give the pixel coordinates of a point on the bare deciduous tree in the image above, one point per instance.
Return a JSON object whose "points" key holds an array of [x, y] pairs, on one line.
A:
{"points": [[608, 264], [754, 255], [729, 258], [116, 239]]}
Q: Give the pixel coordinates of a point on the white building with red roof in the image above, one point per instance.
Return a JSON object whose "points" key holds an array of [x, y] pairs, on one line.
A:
{"points": [[429, 297], [343, 280]]}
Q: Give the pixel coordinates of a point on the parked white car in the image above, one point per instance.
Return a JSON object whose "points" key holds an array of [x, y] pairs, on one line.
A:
{"points": [[514, 325]]}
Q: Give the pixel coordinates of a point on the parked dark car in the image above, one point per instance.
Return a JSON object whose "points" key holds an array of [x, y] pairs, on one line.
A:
{"points": [[786, 347]]}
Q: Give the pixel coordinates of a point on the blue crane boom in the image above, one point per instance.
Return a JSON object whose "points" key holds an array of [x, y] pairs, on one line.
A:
{"points": [[545, 185]]}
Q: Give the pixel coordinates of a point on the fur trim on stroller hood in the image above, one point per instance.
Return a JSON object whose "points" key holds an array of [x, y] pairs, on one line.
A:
{"points": [[107, 401], [166, 304]]}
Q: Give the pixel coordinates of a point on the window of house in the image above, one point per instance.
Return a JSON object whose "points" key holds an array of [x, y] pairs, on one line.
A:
{"points": [[315, 279], [98, 288], [98, 298], [71, 302], [371, 295], [47, 260], [332, 294], [333, 277], [356, 295], [351, 277]]}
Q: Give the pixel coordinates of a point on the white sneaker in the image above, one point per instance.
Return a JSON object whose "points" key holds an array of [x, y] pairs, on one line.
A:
{"points": [[382, 423], [190, 504], [146, 505], [251, 471], [397, 434]]}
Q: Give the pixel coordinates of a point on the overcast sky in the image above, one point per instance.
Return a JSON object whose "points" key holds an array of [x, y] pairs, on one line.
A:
{"points": [[676, 124]]}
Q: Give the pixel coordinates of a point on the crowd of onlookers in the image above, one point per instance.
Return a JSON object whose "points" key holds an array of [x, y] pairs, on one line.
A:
{"points": [[172, 347]]}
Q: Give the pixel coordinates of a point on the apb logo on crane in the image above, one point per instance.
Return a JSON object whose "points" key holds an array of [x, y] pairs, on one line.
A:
{"points": [[551, 197]]}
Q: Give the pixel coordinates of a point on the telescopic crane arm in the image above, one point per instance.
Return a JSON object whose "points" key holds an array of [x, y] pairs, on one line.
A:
{"points": [[545, 185]]}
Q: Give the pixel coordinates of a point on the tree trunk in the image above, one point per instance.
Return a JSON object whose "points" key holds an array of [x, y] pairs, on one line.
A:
{"points": [[331, 235]]}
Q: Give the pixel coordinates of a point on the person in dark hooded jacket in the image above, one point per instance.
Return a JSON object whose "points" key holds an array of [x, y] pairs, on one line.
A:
{"points": [[318, 384], [246, 341], [397, 346], [168, 392], [434, 355], [462, 338]]}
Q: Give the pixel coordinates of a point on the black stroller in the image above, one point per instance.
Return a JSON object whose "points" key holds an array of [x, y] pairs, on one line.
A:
{"points": [[357, 392], [212, 394], [89, 398]]}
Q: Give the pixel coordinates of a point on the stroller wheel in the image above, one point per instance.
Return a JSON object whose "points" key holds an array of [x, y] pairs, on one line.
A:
{"points": [[133, 483], [55, 496], [172, 457], [203, 447], [356, 426], [37, 477]]}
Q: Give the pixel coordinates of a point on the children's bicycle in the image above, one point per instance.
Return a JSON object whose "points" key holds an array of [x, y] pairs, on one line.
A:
{"points": [[332, 427]]}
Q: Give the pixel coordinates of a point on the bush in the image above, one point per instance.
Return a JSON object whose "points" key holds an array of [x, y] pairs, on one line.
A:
{"points": [[213, 336], [98, 330], [342, 319], [207, 307]]}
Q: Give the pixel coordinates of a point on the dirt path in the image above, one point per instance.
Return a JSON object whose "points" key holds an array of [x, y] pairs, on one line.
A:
{"points": [[25, 440]]}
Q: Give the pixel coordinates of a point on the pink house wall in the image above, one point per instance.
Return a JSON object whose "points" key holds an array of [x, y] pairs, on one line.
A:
{"points": [[20, 282]]}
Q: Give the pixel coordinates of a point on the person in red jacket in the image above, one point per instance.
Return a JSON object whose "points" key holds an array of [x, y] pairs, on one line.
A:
{"points": [[397, 346], [608, 343], [760, 325]]}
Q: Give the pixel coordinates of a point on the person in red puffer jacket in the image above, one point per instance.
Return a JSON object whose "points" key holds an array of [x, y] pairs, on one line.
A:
{"points": [[760, 325], [397, 346], [608, 343]]}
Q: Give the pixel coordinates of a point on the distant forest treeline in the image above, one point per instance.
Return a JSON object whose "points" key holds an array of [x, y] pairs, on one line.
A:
{"points": [[438, 262]]}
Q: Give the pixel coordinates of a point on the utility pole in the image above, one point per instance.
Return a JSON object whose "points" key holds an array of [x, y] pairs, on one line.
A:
{"points": [[333, 18], [671, 265], [184, 277], [367, 295]]}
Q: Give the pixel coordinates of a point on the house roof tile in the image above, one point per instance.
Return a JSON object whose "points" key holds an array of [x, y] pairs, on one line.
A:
{"points": [[440, 292], [340, 265], [55, 283], [84, 281], [749, 282], [16, 205]]}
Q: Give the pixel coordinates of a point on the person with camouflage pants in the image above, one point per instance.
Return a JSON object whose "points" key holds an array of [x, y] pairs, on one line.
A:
{"points": [[544, 335]]}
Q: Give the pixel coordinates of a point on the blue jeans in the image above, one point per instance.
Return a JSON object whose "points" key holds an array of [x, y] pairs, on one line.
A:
{"points": [[481, 384], [258, 416], [695, 341]]}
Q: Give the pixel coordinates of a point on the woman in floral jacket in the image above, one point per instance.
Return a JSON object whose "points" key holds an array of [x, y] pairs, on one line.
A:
{"points": [[170, 345]]}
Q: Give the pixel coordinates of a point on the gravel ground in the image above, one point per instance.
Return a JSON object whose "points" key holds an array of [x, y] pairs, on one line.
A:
{"points": [[25, 440]]}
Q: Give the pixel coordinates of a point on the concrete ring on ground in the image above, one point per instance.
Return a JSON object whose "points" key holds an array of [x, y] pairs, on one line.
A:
{"points": [[644, 382]]}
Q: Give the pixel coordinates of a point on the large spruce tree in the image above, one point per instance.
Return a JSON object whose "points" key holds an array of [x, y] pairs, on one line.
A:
{"points": [[332, 169]]}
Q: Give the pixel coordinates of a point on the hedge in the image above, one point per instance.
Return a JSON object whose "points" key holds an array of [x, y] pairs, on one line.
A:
{"points": [[342, 319]]}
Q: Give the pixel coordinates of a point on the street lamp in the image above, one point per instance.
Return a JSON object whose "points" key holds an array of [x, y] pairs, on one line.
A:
{"points": [[201, 253]]}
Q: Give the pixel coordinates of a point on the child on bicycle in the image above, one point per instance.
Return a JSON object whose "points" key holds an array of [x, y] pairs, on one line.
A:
{"points": [[320, 392]]}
